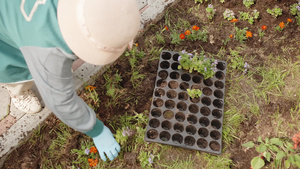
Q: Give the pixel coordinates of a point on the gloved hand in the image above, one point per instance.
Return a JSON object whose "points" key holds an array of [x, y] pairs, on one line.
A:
{"points": [[106, 144]]}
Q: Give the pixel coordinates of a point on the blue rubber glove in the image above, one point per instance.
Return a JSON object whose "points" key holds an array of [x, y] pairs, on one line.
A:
{"points": [[104, 141], [106, 144]]}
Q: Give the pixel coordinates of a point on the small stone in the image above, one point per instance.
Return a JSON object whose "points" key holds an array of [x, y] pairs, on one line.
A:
{"points": [[211, 39]]}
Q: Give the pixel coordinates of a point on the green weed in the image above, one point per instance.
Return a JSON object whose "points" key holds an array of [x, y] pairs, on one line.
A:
{"points": [[248, 3], [250, 17], [112, 85], [240, 34], [278, 150], [275, 12]]}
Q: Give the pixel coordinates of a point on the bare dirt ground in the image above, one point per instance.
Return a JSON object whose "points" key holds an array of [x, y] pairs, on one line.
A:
{"points": [[138, 98]]}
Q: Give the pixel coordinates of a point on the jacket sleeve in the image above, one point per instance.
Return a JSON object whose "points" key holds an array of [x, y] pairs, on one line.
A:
{"points": [[51, 71]]}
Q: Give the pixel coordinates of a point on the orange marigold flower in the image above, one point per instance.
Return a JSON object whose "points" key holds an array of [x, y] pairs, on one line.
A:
{"points": [[92, 162], [234, 20], [296, 140], [281, 24], [289, 20], [136, 44], [248, 34], [166, 28], [230, 36], [195, 28], [264, 27], [93, 150], [187, 32], [89, 87], [182, 36]]}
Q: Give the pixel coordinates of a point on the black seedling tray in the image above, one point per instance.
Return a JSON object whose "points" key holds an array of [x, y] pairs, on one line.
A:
{"points": [[178, 120]]}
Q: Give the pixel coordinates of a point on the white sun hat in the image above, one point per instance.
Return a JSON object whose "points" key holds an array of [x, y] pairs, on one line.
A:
{"points": [[98, 31]]}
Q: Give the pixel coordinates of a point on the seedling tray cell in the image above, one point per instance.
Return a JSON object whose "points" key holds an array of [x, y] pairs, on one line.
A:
{"points": [[178, 120]]}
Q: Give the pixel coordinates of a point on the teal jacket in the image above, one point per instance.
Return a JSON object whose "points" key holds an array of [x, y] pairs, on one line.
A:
{"points": [[40, 30], [32, 47]]}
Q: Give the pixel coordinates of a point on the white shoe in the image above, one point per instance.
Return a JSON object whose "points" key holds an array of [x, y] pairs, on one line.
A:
{"points": [[27, 103]]}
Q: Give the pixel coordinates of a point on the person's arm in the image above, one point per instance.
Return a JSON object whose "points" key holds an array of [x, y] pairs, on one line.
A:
{"points": [[51, 71]]}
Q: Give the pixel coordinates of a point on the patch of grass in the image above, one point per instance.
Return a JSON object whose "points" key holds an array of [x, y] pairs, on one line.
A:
{"points": [[232, 120], [57, 149], [180, 163], [113, 88], [272, 83], [220, 162], [37, 135]]}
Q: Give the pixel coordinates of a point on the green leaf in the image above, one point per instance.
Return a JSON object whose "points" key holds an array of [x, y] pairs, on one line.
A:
{"points": [[297, 157], [261, 148], [276, 141], [280, 155], [267, 140], [249, 144], [259, 139], [257, 163], [287, 164], [274, 148], [291, 159], [268, 156]]}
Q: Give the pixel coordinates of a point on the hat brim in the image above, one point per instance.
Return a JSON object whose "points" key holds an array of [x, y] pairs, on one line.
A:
{"points": [[76, 40]]}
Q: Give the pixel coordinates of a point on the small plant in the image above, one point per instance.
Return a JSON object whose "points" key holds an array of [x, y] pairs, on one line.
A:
{"points": [[227, 39], [122, 135], [198, 63], [159, 37], [210, 11], [146, 159], [246, 16], [194, 93], [261, 32], [112, 85], [237, 62], [93, 95], [275, 12], [241, 34], [196, 34], [295, 10], [86, 155], [280, 26], [177, 38], [248, 3], [193, 35], [135, 55], [228, 14], [136, 78], [275, 149]]}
